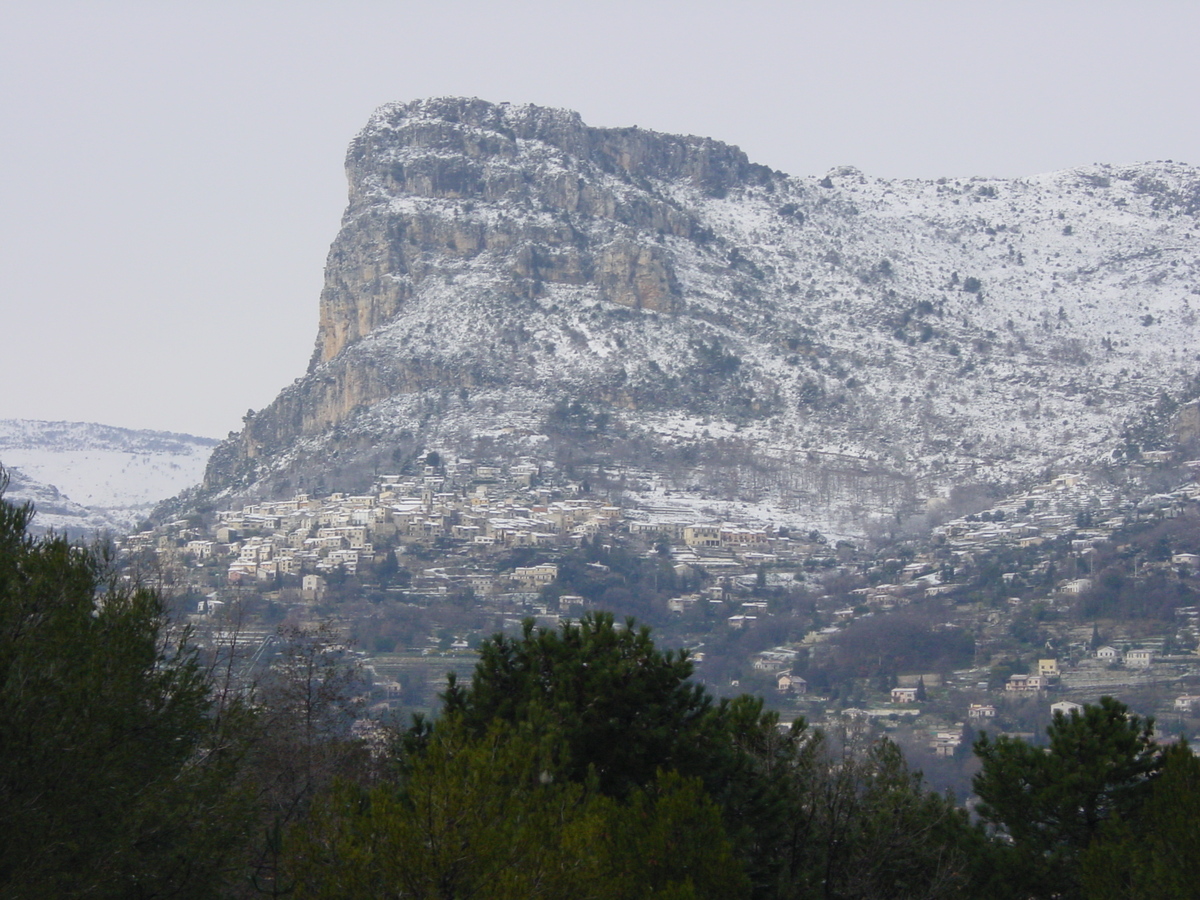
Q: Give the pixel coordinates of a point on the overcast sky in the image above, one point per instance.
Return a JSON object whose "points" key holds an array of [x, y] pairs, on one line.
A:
{"points": [[171, 173]]}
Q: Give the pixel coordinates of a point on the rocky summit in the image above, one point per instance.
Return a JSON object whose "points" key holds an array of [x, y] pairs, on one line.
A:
{"points": [[510, 282]]}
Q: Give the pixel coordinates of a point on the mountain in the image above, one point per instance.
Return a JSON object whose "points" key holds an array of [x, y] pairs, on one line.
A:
{"points": [[84, 477], [508, 281]]}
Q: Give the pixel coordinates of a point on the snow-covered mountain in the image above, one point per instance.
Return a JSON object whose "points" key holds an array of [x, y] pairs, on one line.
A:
{"points": [[509, 281], [83, 477]]}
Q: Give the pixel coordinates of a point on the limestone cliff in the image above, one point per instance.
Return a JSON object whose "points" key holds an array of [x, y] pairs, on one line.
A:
{"points": [[804, 340], [453, 186]]}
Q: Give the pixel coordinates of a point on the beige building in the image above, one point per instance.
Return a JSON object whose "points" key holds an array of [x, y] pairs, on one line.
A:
{"points": [[792, 684], [702, 535], [536, 576], [312, 587], [1139, 659], [1025, 683]]}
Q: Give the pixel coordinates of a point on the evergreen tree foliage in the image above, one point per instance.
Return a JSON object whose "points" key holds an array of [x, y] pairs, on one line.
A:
{"points": [[487, 817], [1153, 856], [1052, 803], [626, 711], [802, 823], [114, 777], [622, 707]]}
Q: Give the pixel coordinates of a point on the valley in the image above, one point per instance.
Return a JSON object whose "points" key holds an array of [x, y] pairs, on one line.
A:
{"points": [[985, 622]]}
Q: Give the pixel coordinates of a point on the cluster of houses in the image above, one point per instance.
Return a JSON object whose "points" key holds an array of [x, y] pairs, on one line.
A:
{"points": [[1139, 658], [1071, 504], [1044, 512], [479, 509], [474, 507]]}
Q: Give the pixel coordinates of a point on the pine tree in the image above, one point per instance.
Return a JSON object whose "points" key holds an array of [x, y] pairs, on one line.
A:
{"points": [[1053, 802], [111, 774], [487, 817], [1155, 854], [626, 711], [623, 707]]}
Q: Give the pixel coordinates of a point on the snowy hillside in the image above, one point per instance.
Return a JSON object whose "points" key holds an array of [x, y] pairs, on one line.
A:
{"points": [[816, 342], [83, 476]]}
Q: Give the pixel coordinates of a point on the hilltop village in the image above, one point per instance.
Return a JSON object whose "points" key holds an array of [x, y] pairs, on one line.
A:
{"points": [[1002, 616]]}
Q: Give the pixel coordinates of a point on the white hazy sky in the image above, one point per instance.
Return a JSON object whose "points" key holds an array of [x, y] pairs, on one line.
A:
{"points": [[171, 172]]}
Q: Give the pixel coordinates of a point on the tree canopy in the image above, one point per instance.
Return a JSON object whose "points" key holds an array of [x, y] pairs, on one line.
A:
{"points": [[487, 817], [109, 769], [623, 707], [1053, 802], [1153, 856], [801, 821]]}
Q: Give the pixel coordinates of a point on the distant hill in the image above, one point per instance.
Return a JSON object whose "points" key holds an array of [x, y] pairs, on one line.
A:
{"points": [[83, 476]]}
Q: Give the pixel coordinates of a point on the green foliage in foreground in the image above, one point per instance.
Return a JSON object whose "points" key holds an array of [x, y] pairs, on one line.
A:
{"points": [[1154, 854], [486, 817], [799, 814], [1059, 806], [113, 776], [623, 708]]}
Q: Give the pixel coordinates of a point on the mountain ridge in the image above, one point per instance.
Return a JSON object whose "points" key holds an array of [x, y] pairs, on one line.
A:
{"points": [[497, 264], [84, 476]]}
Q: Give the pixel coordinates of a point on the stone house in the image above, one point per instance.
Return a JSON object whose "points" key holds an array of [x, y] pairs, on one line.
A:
{"points": [[536, 576], [1139, 659], [791, 684], [1076, 586], [945, 742], [682, 604], [702, 535], [1025, 683], [312, 587]]}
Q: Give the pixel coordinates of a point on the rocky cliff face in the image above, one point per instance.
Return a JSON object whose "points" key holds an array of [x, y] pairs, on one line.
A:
{"points": [[531, 195], [509, 280]]}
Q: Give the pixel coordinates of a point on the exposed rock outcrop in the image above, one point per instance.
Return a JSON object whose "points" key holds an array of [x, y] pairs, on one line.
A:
{"points": [[508, 187], [495, 261]]}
